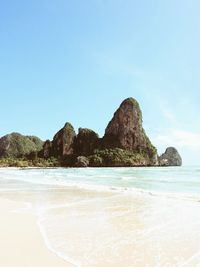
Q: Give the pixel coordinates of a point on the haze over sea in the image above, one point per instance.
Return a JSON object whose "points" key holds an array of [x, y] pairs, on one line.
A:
{"points": [[94, 217]]}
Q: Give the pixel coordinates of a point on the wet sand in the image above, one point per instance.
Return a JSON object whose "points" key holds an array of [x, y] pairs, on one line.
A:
{"points": [[89, 228], [21, 242]]}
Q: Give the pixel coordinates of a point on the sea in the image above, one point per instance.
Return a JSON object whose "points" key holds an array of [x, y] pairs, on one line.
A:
{"points": [[99, 217]]}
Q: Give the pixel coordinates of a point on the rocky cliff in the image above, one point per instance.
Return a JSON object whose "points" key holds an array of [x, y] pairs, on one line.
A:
{"points": [[86, 142], [63, 141], [171, 157], [124, 143], [62, 144], [125, 131]]}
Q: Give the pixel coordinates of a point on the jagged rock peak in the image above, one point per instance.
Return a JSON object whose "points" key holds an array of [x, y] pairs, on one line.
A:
{"points": [[171, 157], [130, 101], [86, 131], [125, 121], [125, 129], [86, 141], [62, 143]]}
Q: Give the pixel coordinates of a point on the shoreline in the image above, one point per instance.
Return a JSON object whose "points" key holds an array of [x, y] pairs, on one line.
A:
{"points": [[100, 188], [21, 242], [70, 226], [91, 167]]}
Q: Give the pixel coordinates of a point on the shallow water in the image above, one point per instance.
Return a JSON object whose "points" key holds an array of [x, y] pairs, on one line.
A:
{"points": [[140, 217]]}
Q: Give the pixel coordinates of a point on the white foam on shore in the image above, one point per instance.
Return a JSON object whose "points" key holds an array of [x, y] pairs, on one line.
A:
{"points": [[85, 185], [49, 246], [53, 182]]}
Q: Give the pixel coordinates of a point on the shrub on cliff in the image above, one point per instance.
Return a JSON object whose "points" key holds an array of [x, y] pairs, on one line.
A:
{"points": [[95, 161], [82, 161], [117, 157]]}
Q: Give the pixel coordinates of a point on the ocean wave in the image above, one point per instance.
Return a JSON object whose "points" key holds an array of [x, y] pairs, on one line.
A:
{"points": [[118, 180]]}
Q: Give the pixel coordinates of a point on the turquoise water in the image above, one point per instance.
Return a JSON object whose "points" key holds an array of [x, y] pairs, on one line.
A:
{"points": [[168, 180]]}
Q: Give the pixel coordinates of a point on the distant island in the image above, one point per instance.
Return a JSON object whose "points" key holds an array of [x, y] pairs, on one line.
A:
{"points": [[124, 144]]}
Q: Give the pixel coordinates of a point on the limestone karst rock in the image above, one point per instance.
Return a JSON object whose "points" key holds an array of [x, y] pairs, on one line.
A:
{"points": [[125, 130], [47, 149], [86, 141], [171, 157], [63, 141], [124, 143], [18, 145]]}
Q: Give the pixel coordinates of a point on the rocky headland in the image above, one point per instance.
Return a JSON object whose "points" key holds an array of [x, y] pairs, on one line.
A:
{"points": [[124, 143]]}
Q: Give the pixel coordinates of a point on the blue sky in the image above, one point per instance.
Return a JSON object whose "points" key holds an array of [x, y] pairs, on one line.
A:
{"points": [[77, 60]]}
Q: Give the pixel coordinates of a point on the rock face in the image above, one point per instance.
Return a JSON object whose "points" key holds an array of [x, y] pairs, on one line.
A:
{"points": [[82, 162], [62, 144], [171, 157], [124, 143], [47, 149], [85, 142], [18, 145], [125, 130]]}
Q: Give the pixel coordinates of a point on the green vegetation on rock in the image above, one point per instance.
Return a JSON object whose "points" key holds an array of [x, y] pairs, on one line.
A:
{"points": [[17, 145], [117, 157], [124, 143], [23, 162], [82, 161], [95, 160]]}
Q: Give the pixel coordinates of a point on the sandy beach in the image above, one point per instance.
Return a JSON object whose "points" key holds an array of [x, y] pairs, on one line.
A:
{"points": [[106, 231], [45, 220], [21, 242]]}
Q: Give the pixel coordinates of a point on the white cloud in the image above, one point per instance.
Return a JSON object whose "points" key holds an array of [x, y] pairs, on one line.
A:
{"points": [[178, 138], [187, 143]]}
